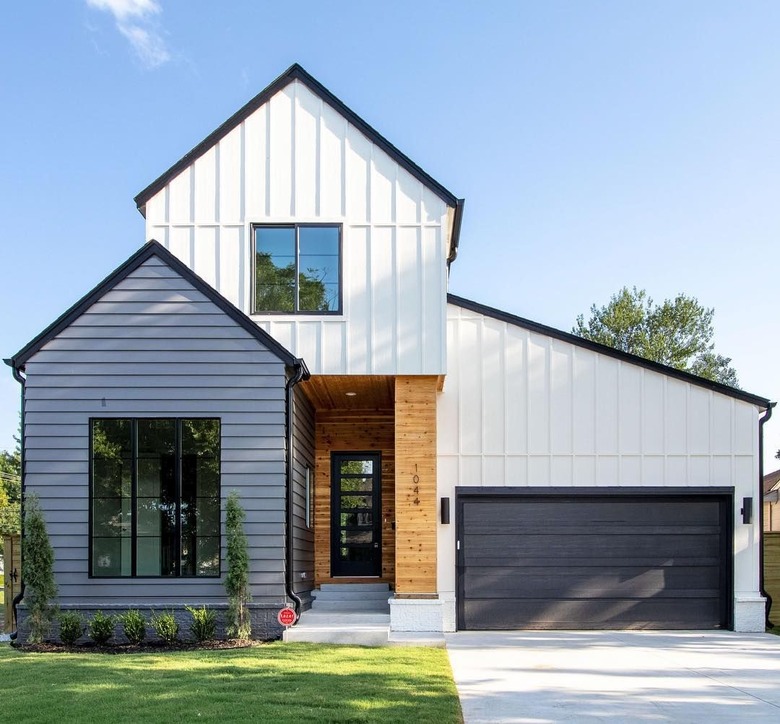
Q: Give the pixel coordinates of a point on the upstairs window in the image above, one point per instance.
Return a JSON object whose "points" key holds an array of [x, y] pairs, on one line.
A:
{"points": [[298, 269], [155, 497]]}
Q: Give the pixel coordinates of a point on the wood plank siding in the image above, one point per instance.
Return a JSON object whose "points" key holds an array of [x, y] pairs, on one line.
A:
{"points": [[415, 487], [155, 346], [352, 431], [772, 573]]}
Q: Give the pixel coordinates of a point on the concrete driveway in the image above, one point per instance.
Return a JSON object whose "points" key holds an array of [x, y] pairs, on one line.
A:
{"points": [[623, 676]]}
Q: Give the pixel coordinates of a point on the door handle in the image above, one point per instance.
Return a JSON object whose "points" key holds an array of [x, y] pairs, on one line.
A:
{"points": [[376, 544]]}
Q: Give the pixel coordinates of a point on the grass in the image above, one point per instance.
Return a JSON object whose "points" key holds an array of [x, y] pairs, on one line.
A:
{"points": [[270, 683]]}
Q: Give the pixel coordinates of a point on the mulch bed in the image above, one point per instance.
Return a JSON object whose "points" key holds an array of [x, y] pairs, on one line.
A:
{"points": [[155, 647]]}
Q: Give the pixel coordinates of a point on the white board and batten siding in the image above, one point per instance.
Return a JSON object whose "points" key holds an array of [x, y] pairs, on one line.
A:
{"points": [[154, 346], [296, 159], [520, 408]]}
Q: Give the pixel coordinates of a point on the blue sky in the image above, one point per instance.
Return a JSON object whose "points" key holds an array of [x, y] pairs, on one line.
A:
{"points": [[597, 143]]}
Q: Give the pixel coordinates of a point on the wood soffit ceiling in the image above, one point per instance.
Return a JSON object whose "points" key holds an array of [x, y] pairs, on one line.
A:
{"points": [[329, 392]]}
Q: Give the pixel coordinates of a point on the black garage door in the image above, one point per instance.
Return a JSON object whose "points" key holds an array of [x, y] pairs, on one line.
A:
{"points": [[593, 561]]}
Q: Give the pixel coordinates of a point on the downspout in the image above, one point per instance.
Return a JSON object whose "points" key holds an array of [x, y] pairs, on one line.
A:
{"points": [[19, 596], [301, 373], [761, 420]]}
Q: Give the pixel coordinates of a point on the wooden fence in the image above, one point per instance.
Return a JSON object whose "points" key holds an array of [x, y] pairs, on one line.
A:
{"points": [[772, 572], [12, 563]]}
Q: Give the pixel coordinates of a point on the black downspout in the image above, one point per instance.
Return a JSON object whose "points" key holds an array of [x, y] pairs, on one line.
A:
{"points": [[301, 373], [762, 590], [19, 596]]}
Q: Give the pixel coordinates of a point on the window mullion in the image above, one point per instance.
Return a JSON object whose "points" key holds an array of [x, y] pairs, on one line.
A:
{"points": [[133, 496], [297, 300], [177, 503]]}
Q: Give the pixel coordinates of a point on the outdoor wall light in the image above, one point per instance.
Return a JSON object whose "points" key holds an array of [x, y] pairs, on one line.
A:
{"points": [[445, 511], [747, 510]]}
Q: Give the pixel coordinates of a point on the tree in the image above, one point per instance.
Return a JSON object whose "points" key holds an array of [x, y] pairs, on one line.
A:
{"points": [[677, 333], [10, 491], [37, 571], [275, 287], [237, 578]]}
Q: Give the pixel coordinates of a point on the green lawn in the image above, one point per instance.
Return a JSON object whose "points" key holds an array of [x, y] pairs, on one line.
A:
{"points": [[271, 683]]}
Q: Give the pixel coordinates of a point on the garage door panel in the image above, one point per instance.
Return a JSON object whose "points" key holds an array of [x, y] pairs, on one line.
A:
{"points": [[568, 582], [596, 545], [589, 561], [503, 614]]}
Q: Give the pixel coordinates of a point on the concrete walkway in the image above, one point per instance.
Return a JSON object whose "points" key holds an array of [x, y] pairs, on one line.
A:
{"points": [[540, 677]]}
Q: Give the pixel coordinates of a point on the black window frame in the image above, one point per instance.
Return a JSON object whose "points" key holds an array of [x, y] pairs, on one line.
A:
{"points": [[134, 490], [296, 227]]}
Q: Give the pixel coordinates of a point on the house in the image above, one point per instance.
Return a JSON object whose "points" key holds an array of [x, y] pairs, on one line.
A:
{"points": [[287, 333], [770, 500]]}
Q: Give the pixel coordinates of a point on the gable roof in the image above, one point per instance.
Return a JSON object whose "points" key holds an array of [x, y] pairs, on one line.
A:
{"points": [[146, 252], [296, 72], [771, 480], [609, 351]]}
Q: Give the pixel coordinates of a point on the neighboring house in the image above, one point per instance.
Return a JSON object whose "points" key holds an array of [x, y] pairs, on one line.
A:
{"points": [[496, 473], [771, 500]]}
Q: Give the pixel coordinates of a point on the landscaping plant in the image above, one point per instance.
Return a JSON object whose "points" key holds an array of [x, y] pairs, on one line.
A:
{"points": [[133, 625], [204, 623], [165, 626], [101, 628], [37, 572], [237, 578], [71, 627]]}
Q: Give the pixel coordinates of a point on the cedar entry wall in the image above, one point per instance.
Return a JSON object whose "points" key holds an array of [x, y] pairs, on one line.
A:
{"points": [[401, 425]]}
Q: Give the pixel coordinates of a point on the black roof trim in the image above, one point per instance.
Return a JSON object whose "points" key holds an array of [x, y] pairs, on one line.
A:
{"points": [[150, 249], [457, 220], [609, 351], [296, 72]]}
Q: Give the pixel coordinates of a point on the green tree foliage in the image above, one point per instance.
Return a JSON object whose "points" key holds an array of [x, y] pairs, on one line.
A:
{"points": [[275, 289], [677, 333], [237, 579], [37, 571], [10, 491]]}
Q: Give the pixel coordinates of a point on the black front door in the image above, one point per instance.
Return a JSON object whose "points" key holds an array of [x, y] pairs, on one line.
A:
{"points": [[356, 526]]}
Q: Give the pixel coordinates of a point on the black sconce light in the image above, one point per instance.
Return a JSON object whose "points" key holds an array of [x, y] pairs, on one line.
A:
{"points": [[747, 510], [445, 511]]}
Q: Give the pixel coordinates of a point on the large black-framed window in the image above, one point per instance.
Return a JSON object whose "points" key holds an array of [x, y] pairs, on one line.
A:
{"points": [[154, 497], [297, 269]]}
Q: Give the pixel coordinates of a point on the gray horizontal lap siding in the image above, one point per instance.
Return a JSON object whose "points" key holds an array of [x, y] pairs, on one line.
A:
{"points": [[303, 457], [154, 346]]}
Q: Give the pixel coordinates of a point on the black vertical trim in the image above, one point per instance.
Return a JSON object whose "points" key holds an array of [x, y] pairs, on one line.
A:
{"points": [[177, 467], [134, 497]]}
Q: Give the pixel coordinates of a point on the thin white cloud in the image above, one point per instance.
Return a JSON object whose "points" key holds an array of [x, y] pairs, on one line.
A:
{"points": [[136, 21]]}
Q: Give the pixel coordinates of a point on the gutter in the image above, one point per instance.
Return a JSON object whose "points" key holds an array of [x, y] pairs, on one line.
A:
{"points": [[19, 596], [301, 373], [761, 420], [457, 220]]}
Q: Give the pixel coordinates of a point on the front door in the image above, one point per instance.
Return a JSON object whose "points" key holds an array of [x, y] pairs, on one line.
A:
{"points": [[356, 526]]}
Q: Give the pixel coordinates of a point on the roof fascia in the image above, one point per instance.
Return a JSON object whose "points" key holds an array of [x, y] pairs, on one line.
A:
{"points": [[633, 359], [296, 72], [146, 252]]}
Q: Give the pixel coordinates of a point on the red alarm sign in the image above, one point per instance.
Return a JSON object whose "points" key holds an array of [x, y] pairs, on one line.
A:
{"points": [[286, 617]]}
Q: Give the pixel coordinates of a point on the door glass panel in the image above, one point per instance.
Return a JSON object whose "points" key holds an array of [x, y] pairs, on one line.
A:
{"points": [[362, 537], [357, 467], [357, 485], [349, 502], [356, 520], [357, 554]]}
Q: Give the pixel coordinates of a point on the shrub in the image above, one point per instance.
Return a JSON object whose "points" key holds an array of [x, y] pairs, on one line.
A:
{"points": [[37, 571], [237, 578], [204, 623], [101, 628], [133, 625], [165, 626], [71, 627]]}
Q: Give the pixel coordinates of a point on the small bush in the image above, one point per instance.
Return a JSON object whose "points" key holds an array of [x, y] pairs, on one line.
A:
{"points": [[239, 624], [38, 572], [204, 623], [101, 628], [133, 625], [165, 626], [71, 627]]}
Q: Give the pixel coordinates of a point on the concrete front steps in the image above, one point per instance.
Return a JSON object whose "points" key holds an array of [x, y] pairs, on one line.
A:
{"points": [[358, 614]]}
